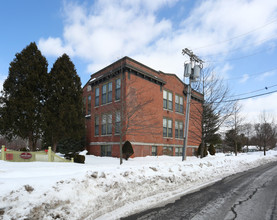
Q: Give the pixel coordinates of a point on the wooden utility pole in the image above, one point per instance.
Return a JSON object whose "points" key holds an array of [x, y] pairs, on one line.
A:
{"points": [[190, 72]]}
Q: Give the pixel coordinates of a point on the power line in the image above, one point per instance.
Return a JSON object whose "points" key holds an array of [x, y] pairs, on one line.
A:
{"points": [[250, 75], [265, 88], [249, 97], [238, 36], [251, 45], [242, 57]]}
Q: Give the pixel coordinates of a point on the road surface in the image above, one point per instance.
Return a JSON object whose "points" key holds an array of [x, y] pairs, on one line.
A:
{"points": [[249, 195]]}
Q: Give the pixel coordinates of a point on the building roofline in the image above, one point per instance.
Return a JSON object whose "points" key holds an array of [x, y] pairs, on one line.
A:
{"points": [[124, 59], [196, 95], [122, 64]]}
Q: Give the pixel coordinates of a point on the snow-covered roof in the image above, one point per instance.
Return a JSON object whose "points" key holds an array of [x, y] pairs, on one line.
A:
{"points": [[251, 147]]}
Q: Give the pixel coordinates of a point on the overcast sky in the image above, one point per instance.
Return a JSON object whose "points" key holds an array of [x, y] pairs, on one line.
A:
{"points": [[236, 38]]}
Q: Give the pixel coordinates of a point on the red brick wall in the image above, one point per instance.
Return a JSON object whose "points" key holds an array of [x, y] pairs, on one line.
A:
{"points": [[152, 114], [150, 129]]}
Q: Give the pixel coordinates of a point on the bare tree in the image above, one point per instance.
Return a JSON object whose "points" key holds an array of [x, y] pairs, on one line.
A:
{"points": [[235, 122], [247, 129], [132, 114], [265, 131], [215, 110]]}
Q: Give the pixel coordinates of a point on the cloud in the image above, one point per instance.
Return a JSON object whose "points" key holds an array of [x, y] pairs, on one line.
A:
{"points": [[108, 29], [54, 47], [265, 75], [215, 22], [245, 77], [1, 84], [255, 106], [2, 80]]}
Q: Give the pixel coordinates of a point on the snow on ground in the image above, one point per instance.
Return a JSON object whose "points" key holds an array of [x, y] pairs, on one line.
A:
{"points": [[102, 189]]}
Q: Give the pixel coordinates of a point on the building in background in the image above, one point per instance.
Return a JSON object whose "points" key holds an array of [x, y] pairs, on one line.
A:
{"points": [[130, 101]]}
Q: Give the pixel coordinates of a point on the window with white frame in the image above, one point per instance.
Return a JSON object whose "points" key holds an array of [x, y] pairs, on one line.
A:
{"points": [[107, 91], [178, 151], [167, 127], [154, 150], [117, 89], [106, 124], [117, 122], [89, 104], [167, 100], [88, 88], [104, 94], [96, 125], [179, 129], [168, 151], [106, 150], [110, 123], [110, 92], [179, 104], [97, 96], [84, 105]]}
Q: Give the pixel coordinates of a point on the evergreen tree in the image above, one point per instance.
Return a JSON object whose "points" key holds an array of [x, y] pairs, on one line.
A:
{"points": [[71, 145], [211, 149], [127, 150], [232, 139], [63, 112], [202, 151], [23, 96], [210, 125]]}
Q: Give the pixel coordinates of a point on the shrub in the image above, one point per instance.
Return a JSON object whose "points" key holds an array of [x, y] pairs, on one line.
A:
{"points": [[211, 149], [71, 145], [205, 152], [24, 149], [77, 158], [127, 150]]}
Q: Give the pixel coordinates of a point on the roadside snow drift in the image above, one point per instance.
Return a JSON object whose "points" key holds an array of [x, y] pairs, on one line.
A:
{"points": [[102, 189]]}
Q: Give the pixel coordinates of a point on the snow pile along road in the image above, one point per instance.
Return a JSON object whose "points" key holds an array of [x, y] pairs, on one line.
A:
{"points": [[103, 189]]}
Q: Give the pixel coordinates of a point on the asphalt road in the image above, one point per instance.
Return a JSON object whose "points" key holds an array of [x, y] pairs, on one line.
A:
{"points": [[250, 195]]}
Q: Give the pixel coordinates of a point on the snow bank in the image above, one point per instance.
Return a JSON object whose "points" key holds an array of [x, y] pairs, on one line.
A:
{"points": [[102, 189]]}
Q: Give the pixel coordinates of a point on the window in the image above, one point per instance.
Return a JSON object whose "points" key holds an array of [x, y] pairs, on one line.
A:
{"points": [[97, 96], [168, 151], [106, 124], [178, 151], [88, 88], [117, 122], [167, 127], [179, 129], [117, 89], [110, 124], [106, 150], [104, 94], [167, 100], [84, 105], [89, 104], [107, 92], [154, 150], [96, 126], [110, 92], [179, 104]]}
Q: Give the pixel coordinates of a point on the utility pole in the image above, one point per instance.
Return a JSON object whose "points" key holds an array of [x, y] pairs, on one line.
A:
{"points": [[192, 71]]}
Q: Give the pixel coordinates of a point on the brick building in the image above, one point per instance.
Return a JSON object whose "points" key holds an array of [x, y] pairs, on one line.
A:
{"points": [[130, 101]]}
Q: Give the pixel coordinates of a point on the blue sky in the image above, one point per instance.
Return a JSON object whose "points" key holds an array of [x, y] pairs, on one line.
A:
{"points": [[239, 36]]}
